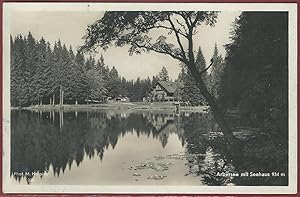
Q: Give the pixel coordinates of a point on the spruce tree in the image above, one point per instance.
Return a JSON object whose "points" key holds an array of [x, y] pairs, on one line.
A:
{"points": [[188, 90], [80, 84], [29, 90], [39, 77], [163, 74], [216, 73], [201, 64]]}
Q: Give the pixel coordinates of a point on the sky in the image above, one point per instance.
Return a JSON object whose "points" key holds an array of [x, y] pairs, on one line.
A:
{"points": [[70, 26]]}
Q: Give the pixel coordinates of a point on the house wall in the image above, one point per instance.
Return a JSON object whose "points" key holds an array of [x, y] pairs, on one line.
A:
{"points": [[159, 93]]}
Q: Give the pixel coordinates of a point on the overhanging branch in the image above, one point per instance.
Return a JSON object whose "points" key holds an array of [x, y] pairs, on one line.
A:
{"points": [[203, 71], [166, 27], [159, 51], [196, 19], [178, 39], [183, 26]]}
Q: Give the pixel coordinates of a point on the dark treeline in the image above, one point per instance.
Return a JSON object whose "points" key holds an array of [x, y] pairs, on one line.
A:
{"points": [[252, 79], [251, 86], [38, 71], [255, 75]]}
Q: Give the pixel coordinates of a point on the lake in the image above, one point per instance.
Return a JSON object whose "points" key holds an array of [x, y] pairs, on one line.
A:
{"points": [[123, 148]]}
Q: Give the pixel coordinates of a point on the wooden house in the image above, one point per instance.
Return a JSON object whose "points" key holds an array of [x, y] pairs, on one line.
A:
{"points": [[164, 91]]}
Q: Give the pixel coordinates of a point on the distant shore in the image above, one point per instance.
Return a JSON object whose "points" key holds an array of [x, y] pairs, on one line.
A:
{"points": [[141, 106]]}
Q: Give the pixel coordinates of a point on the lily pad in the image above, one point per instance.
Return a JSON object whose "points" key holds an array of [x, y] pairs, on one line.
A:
{"points": [[157, 177]]}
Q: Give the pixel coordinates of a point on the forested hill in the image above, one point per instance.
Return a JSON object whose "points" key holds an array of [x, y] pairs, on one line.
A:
{"points": [[39, 70]]}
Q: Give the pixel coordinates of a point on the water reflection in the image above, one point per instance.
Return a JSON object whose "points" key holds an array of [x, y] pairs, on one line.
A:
{"points": [[58, 141]]}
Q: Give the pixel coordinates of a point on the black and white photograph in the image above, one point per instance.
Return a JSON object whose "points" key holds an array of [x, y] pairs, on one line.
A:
{"points": [[150, 98]]}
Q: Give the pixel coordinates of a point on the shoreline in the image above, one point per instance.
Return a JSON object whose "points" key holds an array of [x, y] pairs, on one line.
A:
{"points": [[138, 106]]}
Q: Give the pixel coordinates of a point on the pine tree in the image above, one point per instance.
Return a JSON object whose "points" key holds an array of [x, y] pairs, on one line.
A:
{"points": [[57, 69], [48, 74], [154, 80], [80, 81], [38, 73], [96, 85], [66, 71], [114, 83], [17, 64], [39, 77], [201, 64], [29, 90], [90, 63], [216, 73], [181, 75], [188, 90], [163, 74]]}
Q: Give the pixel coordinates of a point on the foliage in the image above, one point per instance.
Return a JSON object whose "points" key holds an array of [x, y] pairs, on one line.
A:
{"points": [[96, 86], [38, 72], [216, 73], [132, 28], [255, 77], [136, 30], [189, 92], [201, 65], [163, 75]]}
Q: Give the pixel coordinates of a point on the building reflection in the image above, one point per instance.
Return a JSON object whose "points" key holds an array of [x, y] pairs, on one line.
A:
{"points": [[41, 140], [61, 140]]}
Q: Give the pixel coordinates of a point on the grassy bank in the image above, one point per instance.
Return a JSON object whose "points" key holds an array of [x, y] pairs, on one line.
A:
{"points": [[142, 106]]}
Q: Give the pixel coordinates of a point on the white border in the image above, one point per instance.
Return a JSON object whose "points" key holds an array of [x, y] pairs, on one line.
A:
{"points": [[85, 7]]}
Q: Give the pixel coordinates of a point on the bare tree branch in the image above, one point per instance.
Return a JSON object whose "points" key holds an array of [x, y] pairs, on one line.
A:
{"points": [[195, 31], [166, 27], [190, 20], [203, 71], [184, 18], [178, 40], [159, 51], [183, 26]]}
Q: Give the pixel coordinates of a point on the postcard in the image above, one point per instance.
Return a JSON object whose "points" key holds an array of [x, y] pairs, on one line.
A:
{"points": [[150, 98]]}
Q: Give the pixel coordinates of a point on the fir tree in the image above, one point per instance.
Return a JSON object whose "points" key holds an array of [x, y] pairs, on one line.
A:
{"points": [[201, 64], [216, 73], [163, 74], [188, 90]]}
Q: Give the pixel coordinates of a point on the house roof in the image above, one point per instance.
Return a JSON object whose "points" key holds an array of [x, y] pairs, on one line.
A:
{"points": [[169, 86]]}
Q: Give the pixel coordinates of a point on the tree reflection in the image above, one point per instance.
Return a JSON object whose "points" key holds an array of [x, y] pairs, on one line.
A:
{"points": [[211, 160], [40, 141]]}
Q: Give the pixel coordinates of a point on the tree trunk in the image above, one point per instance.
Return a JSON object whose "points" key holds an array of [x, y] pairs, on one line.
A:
{"points": [[61, 119], [50, 101], [53, 100], [216, 110], [61, 97], [76, 102]]}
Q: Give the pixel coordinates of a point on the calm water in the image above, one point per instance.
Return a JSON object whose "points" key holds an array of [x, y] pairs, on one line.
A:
{"points": [[113, 148]]}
